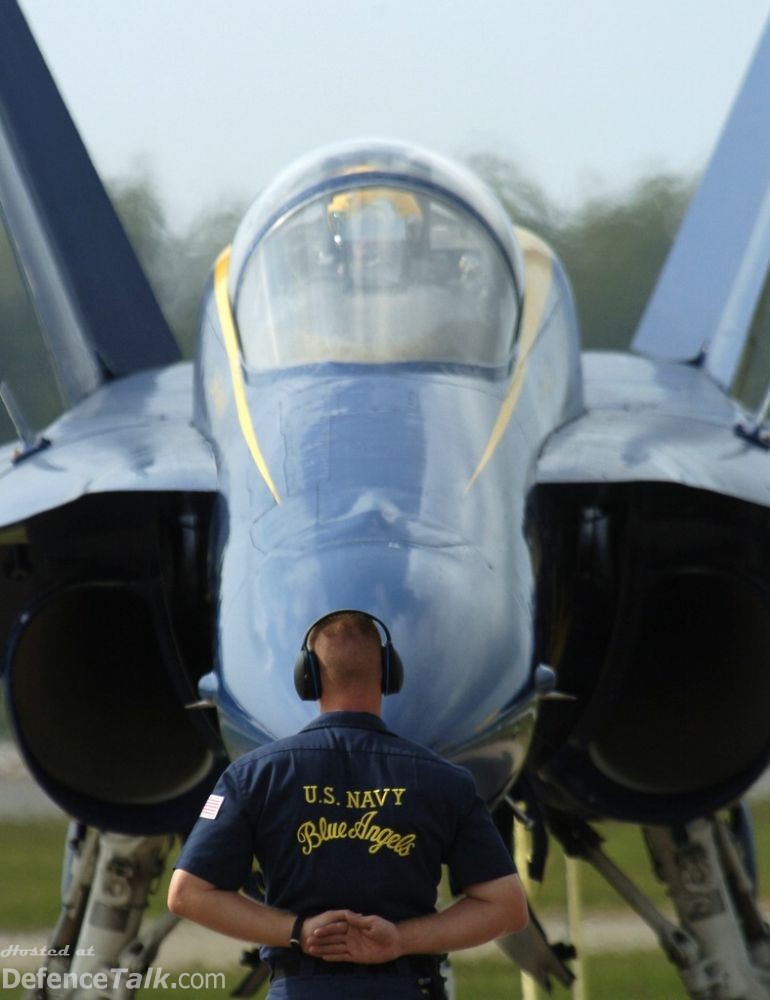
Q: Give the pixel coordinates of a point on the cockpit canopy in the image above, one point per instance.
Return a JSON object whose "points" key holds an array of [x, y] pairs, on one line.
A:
{"points": [[376, 253]]}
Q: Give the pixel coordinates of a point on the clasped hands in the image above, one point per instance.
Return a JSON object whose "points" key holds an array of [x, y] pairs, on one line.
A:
{"points": [[344, 936]]}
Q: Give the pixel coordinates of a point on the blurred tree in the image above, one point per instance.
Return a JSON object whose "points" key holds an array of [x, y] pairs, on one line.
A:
{"points": [[613, 250], [23, 358], [177, 265], [612, 246], [752, 378], [196, 251]]}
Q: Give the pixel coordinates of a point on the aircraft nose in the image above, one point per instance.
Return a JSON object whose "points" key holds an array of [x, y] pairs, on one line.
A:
{"points": [[375, 514], [456, 630], [342, 519], [365, 458]]}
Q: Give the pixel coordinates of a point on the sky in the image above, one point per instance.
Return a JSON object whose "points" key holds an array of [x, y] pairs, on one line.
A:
{"points": [[213, 97]]}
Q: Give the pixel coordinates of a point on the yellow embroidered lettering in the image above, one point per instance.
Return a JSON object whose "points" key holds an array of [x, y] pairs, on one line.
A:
{"points": [[309, 837], [328, 795], [378, 838], [368, 798], [361, 827], [311, 834], [406, 845], [311, 793], [333, 831]]}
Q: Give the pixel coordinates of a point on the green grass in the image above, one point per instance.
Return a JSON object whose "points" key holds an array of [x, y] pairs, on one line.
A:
{"points": [[30, 874], [31, 856], [643, 976], [640, 976], [634, 976], [625, 846], [30, 860]]}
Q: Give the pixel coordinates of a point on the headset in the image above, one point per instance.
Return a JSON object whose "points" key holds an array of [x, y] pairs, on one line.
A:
{"points": [[307, 675]]}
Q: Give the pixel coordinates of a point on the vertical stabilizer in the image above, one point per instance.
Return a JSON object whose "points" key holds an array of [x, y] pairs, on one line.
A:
{"points": [[95, 306], [704, 302]]}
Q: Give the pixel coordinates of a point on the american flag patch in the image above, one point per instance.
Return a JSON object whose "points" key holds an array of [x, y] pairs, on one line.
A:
{"points": [[210, 810]]}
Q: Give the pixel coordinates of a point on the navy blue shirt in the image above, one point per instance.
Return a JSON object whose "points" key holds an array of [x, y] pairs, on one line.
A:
{"points": [[345, 814]]}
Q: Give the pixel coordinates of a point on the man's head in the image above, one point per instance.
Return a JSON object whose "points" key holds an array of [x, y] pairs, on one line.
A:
{"points": [[343, 655]]}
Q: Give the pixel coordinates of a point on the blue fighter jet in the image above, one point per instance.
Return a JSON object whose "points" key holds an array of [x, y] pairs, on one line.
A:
{"points": [[389, 410]]}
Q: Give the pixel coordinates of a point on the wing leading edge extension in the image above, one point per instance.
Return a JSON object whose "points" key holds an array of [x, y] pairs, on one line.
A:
{"points": [[704, 302], [97, 310]]}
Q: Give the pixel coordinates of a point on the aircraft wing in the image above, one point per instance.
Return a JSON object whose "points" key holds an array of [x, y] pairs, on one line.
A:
{"points": [[129, 428], [97, 311], [702, 307], [666, 417], [652, 421], [130, 435]]}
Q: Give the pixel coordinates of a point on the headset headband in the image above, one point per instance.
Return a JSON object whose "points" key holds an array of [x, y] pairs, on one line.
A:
{"points": [[349, 611], [307, 678]]}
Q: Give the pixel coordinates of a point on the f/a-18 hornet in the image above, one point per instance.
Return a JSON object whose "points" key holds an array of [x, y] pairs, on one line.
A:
{"points": [[388, 409]]}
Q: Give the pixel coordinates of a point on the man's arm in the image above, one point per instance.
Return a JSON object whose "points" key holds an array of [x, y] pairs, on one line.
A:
{"points": [[238, 916], [487, 911]]}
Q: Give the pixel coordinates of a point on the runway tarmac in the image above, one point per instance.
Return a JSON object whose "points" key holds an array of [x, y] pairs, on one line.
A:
{"points": [[21, 799], [190, 945]]}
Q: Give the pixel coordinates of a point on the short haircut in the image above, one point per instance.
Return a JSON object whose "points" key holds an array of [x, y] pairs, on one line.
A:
{"points": [[348, 647]]}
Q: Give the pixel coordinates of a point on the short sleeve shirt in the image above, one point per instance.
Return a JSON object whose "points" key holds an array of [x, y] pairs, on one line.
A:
{"points": [[345, 814]]}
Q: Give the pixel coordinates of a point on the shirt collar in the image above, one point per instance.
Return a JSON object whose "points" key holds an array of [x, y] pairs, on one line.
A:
{"points": [[352, 720]]}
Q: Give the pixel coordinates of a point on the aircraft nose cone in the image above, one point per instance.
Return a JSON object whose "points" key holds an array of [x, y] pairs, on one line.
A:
{"points": [[375, 514], [456, 631]]}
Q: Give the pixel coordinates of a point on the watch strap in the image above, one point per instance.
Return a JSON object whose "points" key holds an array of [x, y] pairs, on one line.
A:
{"points": [[295, 938]]}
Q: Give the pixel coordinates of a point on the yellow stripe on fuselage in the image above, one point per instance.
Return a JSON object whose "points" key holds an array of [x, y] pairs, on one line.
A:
{"points": [[227, 323], [538, 271]]}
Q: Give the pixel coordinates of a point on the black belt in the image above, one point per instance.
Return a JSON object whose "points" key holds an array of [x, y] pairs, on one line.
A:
{"points": [[410, 965]]}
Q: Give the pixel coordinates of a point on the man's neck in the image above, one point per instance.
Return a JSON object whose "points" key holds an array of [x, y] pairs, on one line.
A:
{"points": [[351, 702]]}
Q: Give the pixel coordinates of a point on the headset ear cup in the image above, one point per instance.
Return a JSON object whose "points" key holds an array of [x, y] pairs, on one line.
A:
{"points": [[392, 670], [307, 680], [313, 675], [300, 673]]}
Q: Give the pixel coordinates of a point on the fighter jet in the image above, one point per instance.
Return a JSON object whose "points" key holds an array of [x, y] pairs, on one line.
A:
{"points": [[389, 410]]}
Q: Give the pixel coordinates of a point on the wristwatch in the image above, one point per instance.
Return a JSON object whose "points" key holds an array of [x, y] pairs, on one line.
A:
{"points": [[295, 938]]}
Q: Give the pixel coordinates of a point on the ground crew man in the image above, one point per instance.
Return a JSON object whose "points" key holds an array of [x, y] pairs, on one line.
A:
{"points": [[350, 825]]}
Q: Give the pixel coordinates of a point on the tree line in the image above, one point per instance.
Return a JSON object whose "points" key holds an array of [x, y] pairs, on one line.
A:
{"points": [[612, 245]]}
